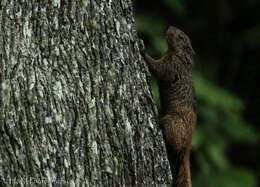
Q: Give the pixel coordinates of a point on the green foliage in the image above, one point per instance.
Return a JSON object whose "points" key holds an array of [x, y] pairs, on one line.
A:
{"points": [[219, 108], [177, 6], [220, 123], [234, 177]]}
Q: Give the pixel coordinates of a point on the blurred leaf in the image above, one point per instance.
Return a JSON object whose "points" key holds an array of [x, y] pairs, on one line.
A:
{"points": [[216, 96], [240, 131], [217, 155], [177, 6], [236, 178], [160, 44], [205, 167], [198, 138], [145, 22], [208, 112]]}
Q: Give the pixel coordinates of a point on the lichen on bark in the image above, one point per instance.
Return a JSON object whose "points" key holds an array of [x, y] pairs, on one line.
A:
{"points": [[75, 106]]}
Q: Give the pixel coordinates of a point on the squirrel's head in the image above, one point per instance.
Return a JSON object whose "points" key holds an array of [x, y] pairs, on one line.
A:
{"points": [[178, 41]]}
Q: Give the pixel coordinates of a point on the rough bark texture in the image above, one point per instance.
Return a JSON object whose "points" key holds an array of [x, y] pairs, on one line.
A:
{"points": [[75, 107]]}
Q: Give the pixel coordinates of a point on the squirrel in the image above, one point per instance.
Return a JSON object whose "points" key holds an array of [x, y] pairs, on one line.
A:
{"points": [[173, 73]]}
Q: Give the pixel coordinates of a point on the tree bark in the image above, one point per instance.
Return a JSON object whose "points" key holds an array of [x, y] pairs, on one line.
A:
{"points": [[75, 106]]}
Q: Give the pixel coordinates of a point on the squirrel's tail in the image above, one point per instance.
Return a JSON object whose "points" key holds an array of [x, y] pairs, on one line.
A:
{"points": [[177, 135], [180, 168]]}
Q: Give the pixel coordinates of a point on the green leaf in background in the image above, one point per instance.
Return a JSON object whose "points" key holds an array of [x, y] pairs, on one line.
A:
{"points": [[216, 96], [205, 168], [217, 155], [240, 131], [144, 24], [236, 178], [177, 6]]}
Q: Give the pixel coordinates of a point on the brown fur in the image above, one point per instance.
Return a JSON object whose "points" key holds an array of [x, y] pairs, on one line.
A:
{"points": [[174, 75]]}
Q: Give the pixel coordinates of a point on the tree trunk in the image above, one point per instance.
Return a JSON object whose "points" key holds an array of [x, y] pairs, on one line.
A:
{"points": [[75, 106]]}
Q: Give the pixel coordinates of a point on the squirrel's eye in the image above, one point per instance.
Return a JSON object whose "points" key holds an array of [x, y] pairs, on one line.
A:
{"points": [[180, 36], [188, 49]]}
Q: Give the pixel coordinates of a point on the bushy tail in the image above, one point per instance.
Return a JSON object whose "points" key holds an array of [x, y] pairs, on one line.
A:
{"points": [[177, 136], [180, 168]]}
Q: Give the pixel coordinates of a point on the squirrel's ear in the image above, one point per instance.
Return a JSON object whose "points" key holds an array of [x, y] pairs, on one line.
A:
{"points": [[190, 50]]}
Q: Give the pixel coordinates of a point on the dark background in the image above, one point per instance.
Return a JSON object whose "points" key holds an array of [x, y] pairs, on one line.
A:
{"points": [[225, 35]]}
